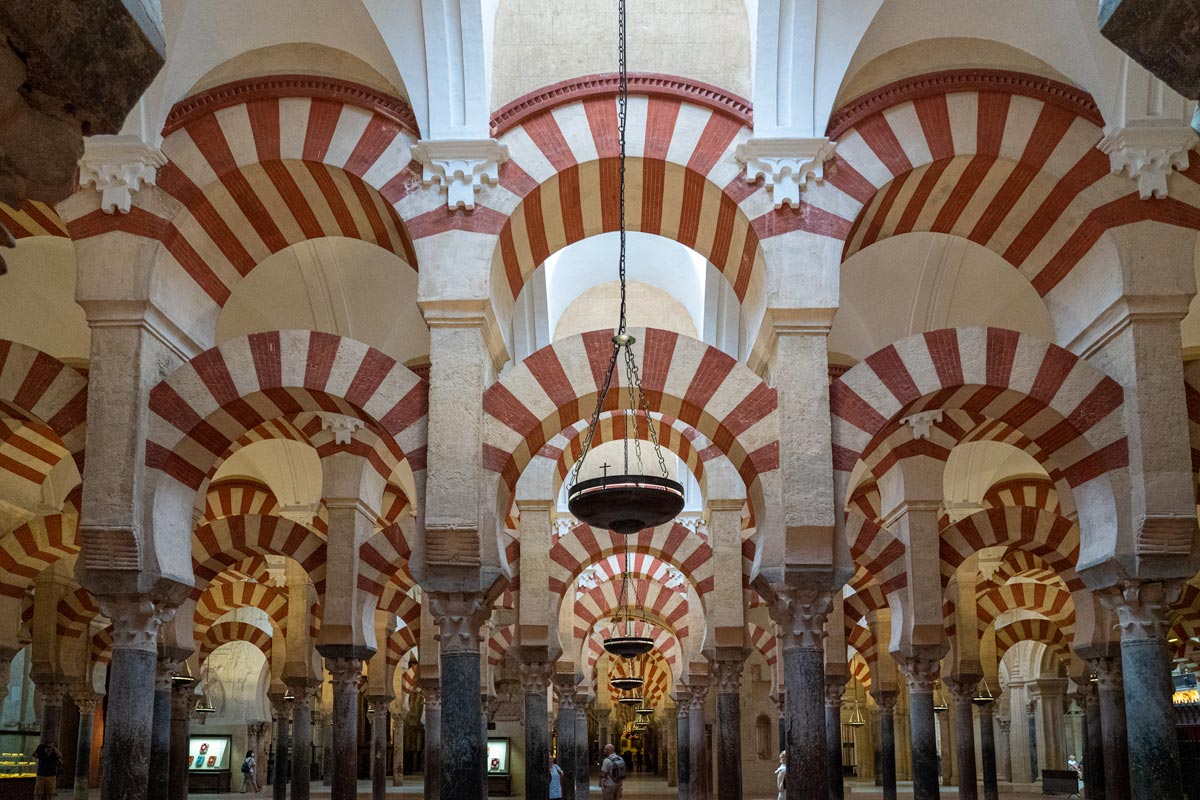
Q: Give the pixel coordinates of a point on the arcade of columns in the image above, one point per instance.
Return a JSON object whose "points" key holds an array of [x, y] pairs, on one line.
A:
{"points": [[437, 587]]}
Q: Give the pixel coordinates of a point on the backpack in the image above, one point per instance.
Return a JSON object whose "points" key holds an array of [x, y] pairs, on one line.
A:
{"points": [[617, 767], [246, 766]]}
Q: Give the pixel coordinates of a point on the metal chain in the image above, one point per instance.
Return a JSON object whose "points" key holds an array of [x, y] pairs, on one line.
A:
{"points": [[622, 113]]}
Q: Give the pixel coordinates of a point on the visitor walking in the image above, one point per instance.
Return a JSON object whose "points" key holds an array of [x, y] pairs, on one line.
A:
{"points": [[249, 779], [49, 764], [781, 776], [556, 774], [612, 773]]}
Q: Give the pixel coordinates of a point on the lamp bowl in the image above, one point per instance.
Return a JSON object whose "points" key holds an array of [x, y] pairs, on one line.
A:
{"points": [[626, 504]]}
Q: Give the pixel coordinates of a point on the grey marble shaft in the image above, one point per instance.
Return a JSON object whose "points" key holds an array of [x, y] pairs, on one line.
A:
{"points": [[1154, 769], [127, 734], [924, 746], [804, 706]]}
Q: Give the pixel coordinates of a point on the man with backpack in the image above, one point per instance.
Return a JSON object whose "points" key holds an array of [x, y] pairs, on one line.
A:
{"points": [[612, 773], [249, 778]]}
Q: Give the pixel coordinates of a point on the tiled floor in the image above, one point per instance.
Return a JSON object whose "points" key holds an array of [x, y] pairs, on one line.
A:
{"points": [[636, 786]]}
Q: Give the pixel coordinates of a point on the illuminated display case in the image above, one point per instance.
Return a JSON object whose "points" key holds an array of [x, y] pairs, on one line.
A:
{"points": [[208, 763], [17, 765], [498, 777]]}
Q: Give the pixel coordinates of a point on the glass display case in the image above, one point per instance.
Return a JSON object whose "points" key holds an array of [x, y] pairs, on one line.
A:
{"points": [[208, 763], [499, 780], [17, 765]]}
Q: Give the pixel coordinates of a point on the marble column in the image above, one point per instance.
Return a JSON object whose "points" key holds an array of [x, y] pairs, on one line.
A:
{"points": [[1113, 727], [397, 747], [1004, 748], [127, 733], [160, 744], [302, 708], [565, 692], [922, 675], [86, 704], [379, 733], [535, 680], [582, 776], [962, 693], [683, 736], [431, 689], [800, 616], [835, 687], [987, 751], [670, 752], [182, 699], [886, 701], [52, 693], [283, 723], [346, 676], [1093, 757], [459, 617], [728, 673], [701, 770], [1153, 744]]}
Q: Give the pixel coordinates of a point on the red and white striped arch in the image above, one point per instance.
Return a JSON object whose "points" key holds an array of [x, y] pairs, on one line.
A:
{"points": [[1032, 630], [863, 641], [102, 646], [223, 543], [400, 643], [668, 606], [260, 164], [1052, 602], [860, 671], [235, 631], [1023, 491], [699, 385], [1070, 409], [665, 643], [203, 408], [32, 218], [763, 641], [867, 596], [76, 610], [219, 599], [32, 546], [1005, 159], [43, 408], [651, 552], [1053, 538], [1027, 565], [652, 668], [876, 552]]}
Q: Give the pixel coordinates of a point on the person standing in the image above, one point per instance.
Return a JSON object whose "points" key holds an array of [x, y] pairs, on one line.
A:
{"points": [[612, 773], [249, 778], [49, 763], [781, 777], [556, 775]]}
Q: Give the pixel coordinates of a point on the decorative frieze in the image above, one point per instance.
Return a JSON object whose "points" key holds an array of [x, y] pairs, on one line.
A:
{"points": [[460, 166]]}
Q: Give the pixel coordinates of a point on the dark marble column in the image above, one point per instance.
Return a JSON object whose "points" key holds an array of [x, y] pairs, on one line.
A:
{"points": [[564, 690], [886, 701], [1113, 727], [160, 743], [1153, 744], [397, 747], [962, 692], [346, 676], [835, 687], [182, 700], [535, 680], [728, 673], [683, 728], [83, 745], [1004, 748], [582, 776], [922, 676], [987, 748], [801, 619], [302, 707], [459, 617], [701, 771], [128, 729], [431, 689], [283, 723], [52, 693], [1093, 757], [379, 732]]}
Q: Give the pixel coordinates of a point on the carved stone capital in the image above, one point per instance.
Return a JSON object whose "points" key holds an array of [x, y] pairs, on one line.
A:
{"points": [[304, 693], [431, 689], [342, 426], [117, 166], [460, 166], [135, 620], [86, 703], [459, 616], [564, 689], [183, 697], [728, 673], [922, 422], [1108, 673], [785, 164], [886, 701], [1142, 608], [52, 691], [344, 673], [962, 689], [834, 691], [697, 694], [1005, 724], [921, 672], [1148, 155], [800, 615], [535, 676]]}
